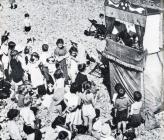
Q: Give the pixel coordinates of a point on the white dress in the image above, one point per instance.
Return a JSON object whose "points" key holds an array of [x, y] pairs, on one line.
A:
{"points": [[37, 78], [28, 116], [72, 101], [59, 88], [87, 108]]}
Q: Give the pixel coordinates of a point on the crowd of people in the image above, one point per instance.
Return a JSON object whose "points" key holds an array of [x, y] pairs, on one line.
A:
{"points": [[59, 83]]}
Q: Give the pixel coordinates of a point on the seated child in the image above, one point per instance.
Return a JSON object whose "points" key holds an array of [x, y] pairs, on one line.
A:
{"points": [[63, 135]]}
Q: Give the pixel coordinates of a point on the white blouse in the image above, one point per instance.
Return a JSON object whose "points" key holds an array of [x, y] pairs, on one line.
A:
{"points": [[28, 116], [135, 108], [14, 130]]}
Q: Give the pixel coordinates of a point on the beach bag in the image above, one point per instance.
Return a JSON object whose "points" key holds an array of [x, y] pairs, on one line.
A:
{"points": [[150, 120]]}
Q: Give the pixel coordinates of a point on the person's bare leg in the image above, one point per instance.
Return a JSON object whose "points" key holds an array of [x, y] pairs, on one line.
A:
{"points": [[90, 125], [85, 121], [119, 127], [124, 126]]}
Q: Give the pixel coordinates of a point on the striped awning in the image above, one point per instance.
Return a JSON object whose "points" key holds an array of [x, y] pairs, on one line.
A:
{"points": [[150, 4]]}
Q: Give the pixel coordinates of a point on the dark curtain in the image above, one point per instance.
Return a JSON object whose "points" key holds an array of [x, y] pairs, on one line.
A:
{"points": [[140, 33], [109, 24]]}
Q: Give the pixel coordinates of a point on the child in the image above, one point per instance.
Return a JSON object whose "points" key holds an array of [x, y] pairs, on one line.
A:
{"points": [[59, 83], [45, 54], [73, 110], [88, 110], [27, 52], [102, 18], [56, 131], [29, 119], [37, 79], [5, 37], [135, 118], [81, 76], [24, 94], [4, 85], [17, 71], [21, 95], [48, 98], [61, 55], [2, 93], [63, 135], [44, 66], [13, 128], [72, 64], [13, 4], [27, 23], [51, 66], [121, 107], [57, 91]]}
